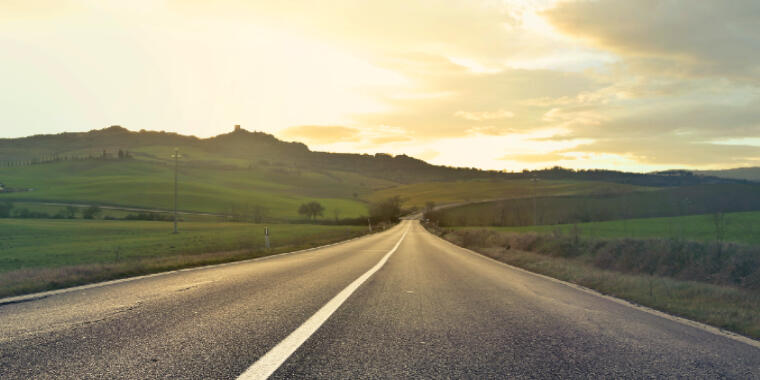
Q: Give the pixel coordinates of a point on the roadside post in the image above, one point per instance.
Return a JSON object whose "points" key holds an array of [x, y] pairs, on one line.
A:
{"points": [[369, 223], [266, 237]]}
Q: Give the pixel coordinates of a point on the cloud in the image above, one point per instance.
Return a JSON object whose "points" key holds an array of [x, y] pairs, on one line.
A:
{"points": [[551, 157], [428, 154], [381, 140], [485, 115], [322, 134], [654, 81], [40, 9], [673, 152], [331, 136], [482, 30], [685, 121], [490, 102], [672, 37]]}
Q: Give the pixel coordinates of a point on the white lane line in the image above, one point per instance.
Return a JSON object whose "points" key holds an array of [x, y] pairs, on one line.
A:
{"points": [[267, 364]]}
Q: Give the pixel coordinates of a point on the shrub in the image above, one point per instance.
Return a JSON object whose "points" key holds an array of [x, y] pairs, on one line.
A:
{"points": [[5, 209], [387, 210], [91, 212], [716, 263]]}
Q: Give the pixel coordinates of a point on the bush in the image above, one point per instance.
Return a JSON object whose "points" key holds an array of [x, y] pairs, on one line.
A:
{"points": [[387, 210], [150, 216], [5, 209], [26, 214], [715, 263], [91, 212]]}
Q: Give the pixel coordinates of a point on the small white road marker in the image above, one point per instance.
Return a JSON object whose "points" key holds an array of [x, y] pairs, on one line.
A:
{"points": [[272, 360]]}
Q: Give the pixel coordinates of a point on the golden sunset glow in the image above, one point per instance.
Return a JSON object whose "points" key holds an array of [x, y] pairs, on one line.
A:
{"points": [[632, 85]]}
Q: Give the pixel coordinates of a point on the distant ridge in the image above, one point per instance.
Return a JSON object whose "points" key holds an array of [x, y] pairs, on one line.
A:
{"points": [[750, 174], [263, 147]]}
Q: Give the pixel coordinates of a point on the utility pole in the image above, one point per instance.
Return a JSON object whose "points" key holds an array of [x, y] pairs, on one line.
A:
{"points": [[176, 157]]}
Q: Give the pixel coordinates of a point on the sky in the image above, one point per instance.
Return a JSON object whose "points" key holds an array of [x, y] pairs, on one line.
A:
{"points": [[496, 84]]}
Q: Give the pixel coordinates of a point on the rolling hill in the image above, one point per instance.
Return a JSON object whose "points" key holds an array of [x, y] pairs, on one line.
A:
{"points": [[750, 174], [245, 172]]}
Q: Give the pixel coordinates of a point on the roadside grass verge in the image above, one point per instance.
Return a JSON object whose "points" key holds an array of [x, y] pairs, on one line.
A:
{"points": [[729, 307], [37, 255]]}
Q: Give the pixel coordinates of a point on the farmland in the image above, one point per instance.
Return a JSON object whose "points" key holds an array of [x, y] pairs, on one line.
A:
{"points": [[739, 227], [664, 202], [418, 194], [144, 184], [50, 253]]}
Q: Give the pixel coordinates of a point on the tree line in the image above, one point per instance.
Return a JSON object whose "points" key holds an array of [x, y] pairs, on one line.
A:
{"points": [[388, 210], [120, 154]]}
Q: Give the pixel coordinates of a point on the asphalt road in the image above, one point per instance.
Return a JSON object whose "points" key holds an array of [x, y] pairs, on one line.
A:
{"points": [[431, 311]]}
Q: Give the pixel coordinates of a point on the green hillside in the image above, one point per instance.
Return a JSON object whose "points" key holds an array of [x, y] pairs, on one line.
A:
{"points": [[750, 174], [139, 183], [242, 171], [663, 202], [419, 194]]}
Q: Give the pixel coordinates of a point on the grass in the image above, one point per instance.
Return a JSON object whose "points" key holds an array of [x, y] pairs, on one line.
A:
{"points": [[477, 190], [740, 227], [722, 306], [561, 208], [144, 184], [106, 213], [44, 254]]}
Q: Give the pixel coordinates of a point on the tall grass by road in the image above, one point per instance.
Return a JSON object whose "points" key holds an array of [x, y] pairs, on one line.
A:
{"points": [[45, 254]]}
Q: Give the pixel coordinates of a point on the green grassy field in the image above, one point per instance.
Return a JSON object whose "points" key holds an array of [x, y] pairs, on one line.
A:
{"points": [[137, 183], [210, 184], [580, 208], [28, 243], [44, 254], [475, 190], [739, 227]]}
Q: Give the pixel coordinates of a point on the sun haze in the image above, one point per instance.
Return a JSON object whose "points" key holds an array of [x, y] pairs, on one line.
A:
{"points": [[633, 85]]}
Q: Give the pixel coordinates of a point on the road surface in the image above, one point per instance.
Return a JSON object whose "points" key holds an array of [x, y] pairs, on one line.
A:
{"points": [[399, 304]]}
